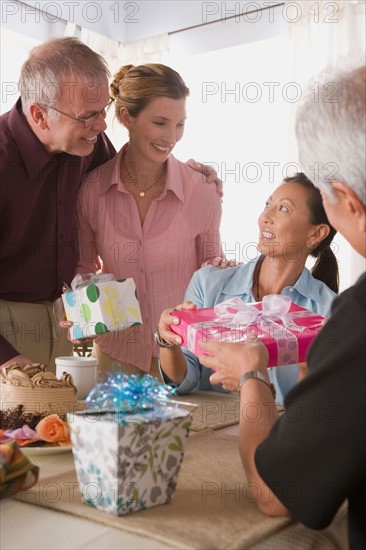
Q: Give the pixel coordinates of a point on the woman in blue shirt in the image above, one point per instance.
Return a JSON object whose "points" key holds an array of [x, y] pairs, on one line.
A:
{"points": [[292, 226]]}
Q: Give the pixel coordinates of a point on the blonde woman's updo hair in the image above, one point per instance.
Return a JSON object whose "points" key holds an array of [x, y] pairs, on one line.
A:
{"points": [[134, 87]]}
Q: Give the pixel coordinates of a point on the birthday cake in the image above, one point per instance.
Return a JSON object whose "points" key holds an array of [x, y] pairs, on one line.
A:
{"points": [[31, 392]]}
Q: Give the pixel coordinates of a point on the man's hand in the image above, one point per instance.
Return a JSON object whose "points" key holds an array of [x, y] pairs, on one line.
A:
{"points": [[210, 173], [67, 325], [20, 359], [231, 360]]}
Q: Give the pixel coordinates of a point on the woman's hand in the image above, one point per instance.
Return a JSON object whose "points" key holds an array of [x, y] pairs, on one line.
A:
{"points": [[219, 262], [210, 173], [172, 360], [167, 319]]}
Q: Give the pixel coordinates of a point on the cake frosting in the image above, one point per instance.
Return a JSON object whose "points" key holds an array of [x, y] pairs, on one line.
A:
{"points": [[31, 392]]}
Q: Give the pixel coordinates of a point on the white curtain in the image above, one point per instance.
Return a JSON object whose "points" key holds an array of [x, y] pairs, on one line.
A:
{"points": [[151, 50], [321, 34], [324, 31], [101, 44]]}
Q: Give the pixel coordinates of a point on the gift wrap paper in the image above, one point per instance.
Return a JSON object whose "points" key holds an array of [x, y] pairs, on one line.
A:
{"points": [[129, 466], [287, 334], [102, 307]]}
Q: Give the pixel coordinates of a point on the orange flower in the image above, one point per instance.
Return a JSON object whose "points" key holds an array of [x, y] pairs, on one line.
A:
{"points": [[54, 430]]}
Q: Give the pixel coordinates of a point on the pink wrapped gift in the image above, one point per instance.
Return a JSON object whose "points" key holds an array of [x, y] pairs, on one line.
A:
{"points": [[286, 329]]}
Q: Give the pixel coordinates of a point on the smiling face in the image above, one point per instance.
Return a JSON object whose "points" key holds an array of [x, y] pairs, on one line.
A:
{"points": [[80, 100], [285, 229], [156, 130]]}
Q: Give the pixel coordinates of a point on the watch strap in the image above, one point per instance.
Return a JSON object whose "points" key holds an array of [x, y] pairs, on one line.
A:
{"points": [[160, 341], [258, 376]]}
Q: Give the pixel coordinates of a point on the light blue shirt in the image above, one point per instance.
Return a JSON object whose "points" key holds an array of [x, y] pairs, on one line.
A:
{"points": [[212, 285]]}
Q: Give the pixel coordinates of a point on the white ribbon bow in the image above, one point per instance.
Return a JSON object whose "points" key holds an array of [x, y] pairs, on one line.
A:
{"points": [[275, 307], [84, 279]]}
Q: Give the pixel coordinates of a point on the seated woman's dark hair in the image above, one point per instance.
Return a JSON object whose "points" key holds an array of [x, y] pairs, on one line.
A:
{"points": [[326, 265]]}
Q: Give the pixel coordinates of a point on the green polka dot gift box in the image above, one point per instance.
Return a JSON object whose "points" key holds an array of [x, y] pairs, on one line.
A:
{"points": [[98, 304]]}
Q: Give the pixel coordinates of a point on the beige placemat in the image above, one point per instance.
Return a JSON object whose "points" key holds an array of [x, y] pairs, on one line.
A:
{"points": [[214, 410], [209, 509]]}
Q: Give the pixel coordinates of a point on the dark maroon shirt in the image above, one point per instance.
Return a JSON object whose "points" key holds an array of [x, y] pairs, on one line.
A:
{"points": [[38, 192]]}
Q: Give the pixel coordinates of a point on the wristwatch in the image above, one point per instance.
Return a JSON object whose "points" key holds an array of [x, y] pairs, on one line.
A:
{"points": [[160, 341], [259, 376]]}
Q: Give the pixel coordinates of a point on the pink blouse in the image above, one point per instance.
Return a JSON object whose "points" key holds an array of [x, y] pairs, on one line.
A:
{"points": [[180, 231]]}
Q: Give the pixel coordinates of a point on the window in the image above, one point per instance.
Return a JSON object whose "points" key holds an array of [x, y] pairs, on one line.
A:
{"points": [[238, 119]]}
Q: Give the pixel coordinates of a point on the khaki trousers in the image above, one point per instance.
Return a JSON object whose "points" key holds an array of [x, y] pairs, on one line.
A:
{"points": [[33, 330], [109, 365]]}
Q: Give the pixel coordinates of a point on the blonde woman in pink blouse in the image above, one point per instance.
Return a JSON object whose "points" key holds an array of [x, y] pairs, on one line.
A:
{"points": [[144, 214]]}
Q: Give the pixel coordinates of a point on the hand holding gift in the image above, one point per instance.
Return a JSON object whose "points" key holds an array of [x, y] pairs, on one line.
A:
{"points": [[285, 328], [230, 361], [172, 361], [64, 324], [98, 304], [167, 318]]}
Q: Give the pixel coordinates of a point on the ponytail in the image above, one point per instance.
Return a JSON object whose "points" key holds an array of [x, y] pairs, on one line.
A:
{"points": [[326, 268]]}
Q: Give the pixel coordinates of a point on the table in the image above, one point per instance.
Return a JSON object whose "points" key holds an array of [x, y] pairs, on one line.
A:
{"points": [[209, 508]]}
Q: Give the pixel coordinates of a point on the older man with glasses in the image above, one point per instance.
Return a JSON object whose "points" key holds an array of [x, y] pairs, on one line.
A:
{"points": [[51, 138]]}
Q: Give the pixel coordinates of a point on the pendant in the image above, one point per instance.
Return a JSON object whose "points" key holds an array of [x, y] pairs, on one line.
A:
{"points": [[142, 194]]}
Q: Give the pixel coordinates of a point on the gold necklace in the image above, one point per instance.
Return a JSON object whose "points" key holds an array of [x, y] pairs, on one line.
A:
{"points": [[134, 180]]}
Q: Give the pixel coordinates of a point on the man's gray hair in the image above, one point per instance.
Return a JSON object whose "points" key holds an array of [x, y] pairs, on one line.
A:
{"points": [[51, 63], [331, 130]]}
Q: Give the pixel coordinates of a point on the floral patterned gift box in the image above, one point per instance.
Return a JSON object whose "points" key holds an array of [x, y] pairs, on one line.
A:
{"points": [[128, 461]]}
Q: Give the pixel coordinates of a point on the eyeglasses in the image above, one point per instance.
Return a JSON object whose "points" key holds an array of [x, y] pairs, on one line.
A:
{"points": [[88, 121]]}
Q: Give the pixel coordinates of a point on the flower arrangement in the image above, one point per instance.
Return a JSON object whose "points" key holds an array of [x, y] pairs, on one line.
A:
{"points": [[51, 429]]}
